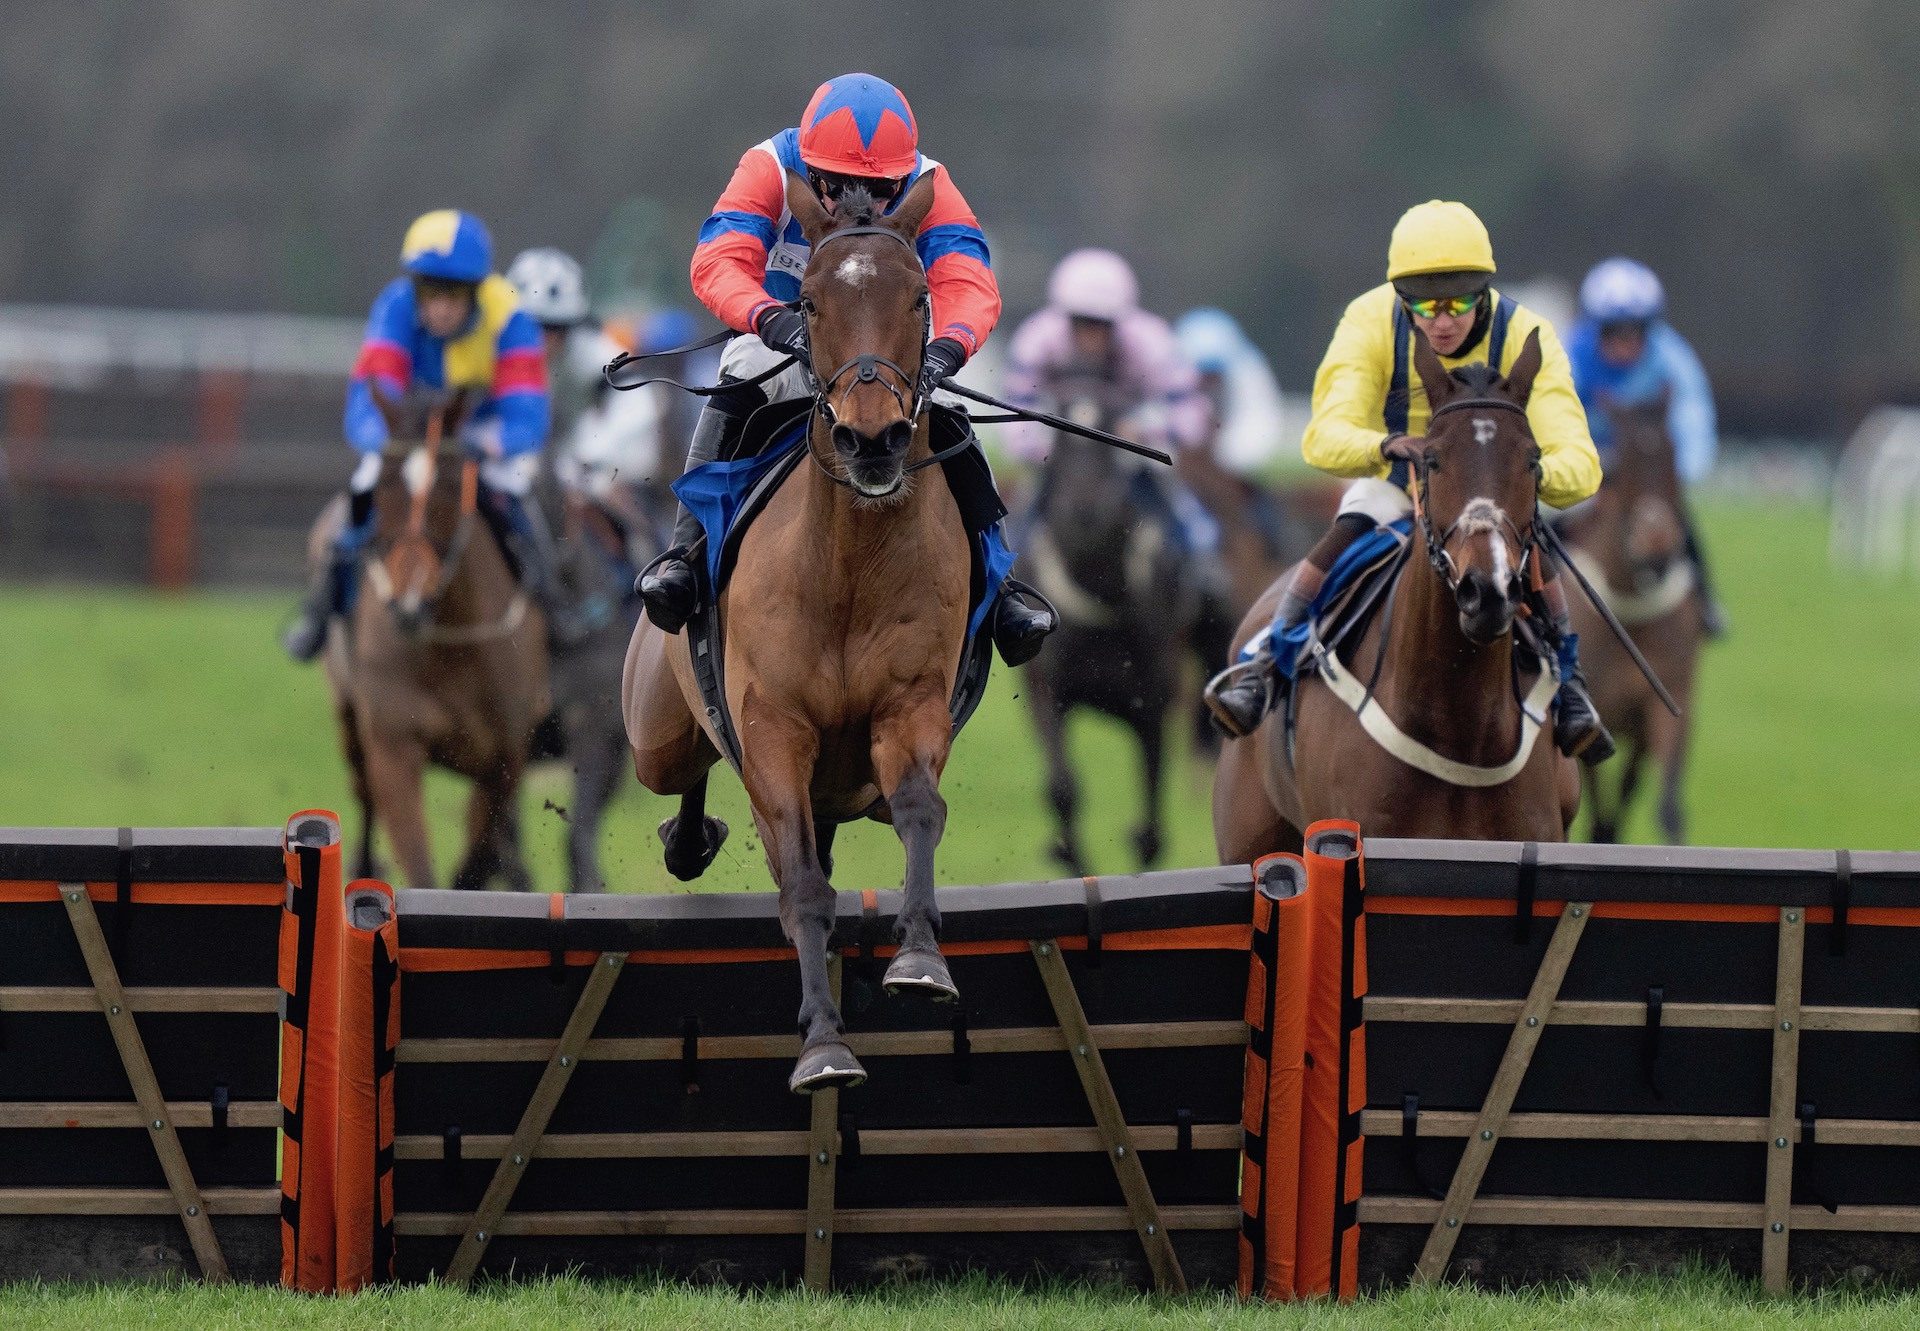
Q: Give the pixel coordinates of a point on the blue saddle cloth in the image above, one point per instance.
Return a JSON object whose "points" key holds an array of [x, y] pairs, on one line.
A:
{"points": [[718, 494], [1288, 641]]}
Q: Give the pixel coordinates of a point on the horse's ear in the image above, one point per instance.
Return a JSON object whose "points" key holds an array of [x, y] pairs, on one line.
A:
{"points": [[1525, 366], [908, 218], [1433, 375], [806, 208]]}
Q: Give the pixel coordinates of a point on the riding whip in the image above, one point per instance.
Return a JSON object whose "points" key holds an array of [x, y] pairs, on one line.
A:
{"points": [[1552, 539]]}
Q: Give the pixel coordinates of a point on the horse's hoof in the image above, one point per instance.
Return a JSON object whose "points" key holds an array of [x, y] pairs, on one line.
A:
{"points": [[688, 863], [1146, 846], [1066, 859], [826, 1067], [920, 970]]}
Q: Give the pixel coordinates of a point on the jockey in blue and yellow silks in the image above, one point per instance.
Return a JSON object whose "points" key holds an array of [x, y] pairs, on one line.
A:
{"points": [[1625, 353], [448, 322], [1369, 410]]}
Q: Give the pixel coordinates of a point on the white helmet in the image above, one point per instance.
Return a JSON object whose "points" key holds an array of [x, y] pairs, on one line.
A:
{"points": [[1093, 284], [552, 288], [1622, 290]]}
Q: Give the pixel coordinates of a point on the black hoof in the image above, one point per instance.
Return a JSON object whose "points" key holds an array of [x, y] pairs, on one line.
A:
{"points": [[920, 970], [686, 858], [1146, 845], [1067, 859], [824, 1067]]}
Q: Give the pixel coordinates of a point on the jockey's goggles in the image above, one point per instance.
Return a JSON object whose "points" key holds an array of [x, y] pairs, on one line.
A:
{"points": [[882, 188], [1432, 307]]}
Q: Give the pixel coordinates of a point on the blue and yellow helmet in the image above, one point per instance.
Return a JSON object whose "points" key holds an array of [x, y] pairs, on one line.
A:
{"points": [[448, 244]]}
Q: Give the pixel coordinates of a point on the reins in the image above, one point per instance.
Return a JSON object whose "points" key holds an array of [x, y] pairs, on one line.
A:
{"points": [[425, 600]]}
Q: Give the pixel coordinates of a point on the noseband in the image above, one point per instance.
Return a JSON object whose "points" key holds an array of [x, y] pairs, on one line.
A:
{"points": [[1436, 543]]}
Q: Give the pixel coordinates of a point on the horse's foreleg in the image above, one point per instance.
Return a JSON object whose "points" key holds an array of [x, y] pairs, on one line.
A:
{"points": [[395, 770], [596, 776], [690, 837], [362, 794], [778, 774], [909, 753], [1667, 740], [1152, 731], [1063, 792]]}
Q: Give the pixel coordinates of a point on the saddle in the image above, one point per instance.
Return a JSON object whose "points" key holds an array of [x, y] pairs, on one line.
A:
{"points": [[1360, 586], [737, 490]]}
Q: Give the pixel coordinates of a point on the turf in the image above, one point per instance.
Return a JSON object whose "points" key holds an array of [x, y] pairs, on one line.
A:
{"points": [[1705, 1300], [124, 707]]}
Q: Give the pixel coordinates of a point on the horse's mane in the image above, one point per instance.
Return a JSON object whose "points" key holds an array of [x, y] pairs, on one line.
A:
{"points": [[856, 206], [1478, 378]]}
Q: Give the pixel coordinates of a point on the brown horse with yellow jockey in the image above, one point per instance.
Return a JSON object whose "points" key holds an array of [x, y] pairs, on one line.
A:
{"points": [[1400, 350]]}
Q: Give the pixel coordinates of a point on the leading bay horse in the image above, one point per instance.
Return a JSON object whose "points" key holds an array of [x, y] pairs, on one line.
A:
{"points": [[1445, 646], [1631, 543], [445, 657], [843, 626]]}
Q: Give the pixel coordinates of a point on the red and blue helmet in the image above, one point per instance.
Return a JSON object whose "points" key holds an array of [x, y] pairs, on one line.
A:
{"points": [[447, 244], [859, 125]]}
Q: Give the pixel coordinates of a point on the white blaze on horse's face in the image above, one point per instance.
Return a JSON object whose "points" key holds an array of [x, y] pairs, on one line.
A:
{"points": [[1484, 430], [856, 270], [417, 472], [1482, 515]]}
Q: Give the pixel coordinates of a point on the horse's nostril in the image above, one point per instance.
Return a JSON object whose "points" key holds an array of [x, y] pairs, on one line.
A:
{"points": [[1468, 595], [899, 436], [846, 441]]}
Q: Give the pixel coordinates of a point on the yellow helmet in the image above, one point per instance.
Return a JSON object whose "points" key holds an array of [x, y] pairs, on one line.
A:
{"points": [[1438, 236]]}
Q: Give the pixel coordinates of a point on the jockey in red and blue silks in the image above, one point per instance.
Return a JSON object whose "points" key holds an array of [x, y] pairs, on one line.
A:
{"points": [[447, 323], [857, 133], [1625, 353]]}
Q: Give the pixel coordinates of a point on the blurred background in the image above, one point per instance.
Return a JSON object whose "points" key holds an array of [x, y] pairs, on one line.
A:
{"points": [[203, 197]]}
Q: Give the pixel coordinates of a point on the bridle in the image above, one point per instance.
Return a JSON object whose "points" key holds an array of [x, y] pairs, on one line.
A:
{"points": [[867, 367], [1436, 543], [413, 599]]}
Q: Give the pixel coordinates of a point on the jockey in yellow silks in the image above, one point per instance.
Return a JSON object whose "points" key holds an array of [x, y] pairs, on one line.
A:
{"points": [[1368, 408]]}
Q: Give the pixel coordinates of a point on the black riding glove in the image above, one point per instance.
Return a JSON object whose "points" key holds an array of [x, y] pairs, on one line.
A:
{"points": [[785, 330], [943, 357]]}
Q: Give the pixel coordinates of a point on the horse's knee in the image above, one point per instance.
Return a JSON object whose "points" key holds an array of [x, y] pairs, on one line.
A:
{"points": [[917, 805]]}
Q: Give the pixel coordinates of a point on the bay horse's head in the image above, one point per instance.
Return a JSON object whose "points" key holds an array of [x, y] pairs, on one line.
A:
{"points": [[1641, 497], [1479, 473], [424, 504], [864, 295]]}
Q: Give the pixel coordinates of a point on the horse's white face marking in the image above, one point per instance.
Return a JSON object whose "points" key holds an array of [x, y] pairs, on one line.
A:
{"points": [[1484, 430], [1482, 515], [417, 470], [856, 270]]}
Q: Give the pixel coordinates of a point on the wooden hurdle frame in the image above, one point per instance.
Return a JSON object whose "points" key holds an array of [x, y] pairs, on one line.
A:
{"points": [[1774, 1216], [119, 1005], [821, 1221]]}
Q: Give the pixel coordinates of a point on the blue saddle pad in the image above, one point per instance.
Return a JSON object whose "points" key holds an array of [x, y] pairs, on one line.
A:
{"points": [[1355, 560]]}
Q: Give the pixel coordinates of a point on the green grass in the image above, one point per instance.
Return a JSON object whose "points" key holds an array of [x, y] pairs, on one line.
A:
{"points": [[1705, 1300], [125, 707]]}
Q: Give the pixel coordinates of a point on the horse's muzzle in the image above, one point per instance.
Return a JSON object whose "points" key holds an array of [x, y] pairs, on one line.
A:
{"points": [[876, 464], [1486, 608]]}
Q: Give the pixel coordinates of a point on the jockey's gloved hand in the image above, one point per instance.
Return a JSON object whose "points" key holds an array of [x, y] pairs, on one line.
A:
{"points": [[785, 331], [1400, 448], [943, 357]]}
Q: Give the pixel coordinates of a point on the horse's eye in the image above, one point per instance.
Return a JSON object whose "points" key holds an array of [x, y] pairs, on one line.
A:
{"points": [[807, 306], [922, 301]]}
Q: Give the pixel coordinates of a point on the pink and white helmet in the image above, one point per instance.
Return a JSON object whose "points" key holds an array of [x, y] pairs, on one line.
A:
{"points": [[1093, 284]]}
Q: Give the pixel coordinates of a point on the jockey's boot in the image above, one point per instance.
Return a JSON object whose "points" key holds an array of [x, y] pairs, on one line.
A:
{"points": [[524, 531], [1578, 730], [1239, 697], [307, 634], [1020, 630], [668, 587], [331, 594]]}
